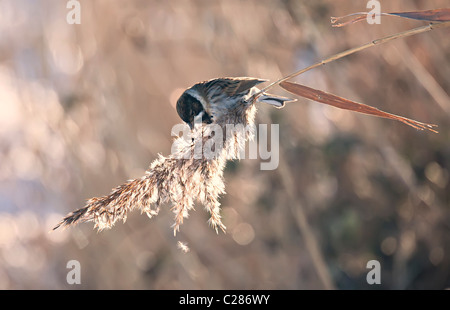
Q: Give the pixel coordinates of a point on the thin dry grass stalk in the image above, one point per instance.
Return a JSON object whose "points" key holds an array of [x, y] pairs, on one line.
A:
{"points": [[348, 52], [323, 97]]}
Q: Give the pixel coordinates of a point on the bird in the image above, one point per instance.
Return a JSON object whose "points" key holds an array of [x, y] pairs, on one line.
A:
{"points": [[226, 100], [182, 178]]}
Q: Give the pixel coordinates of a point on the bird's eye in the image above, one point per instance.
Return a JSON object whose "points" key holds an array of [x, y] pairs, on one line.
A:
{"points": [[188, 107]]}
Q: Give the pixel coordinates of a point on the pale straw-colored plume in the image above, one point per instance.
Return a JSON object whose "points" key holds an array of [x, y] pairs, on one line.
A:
{"points": [[173, 179]]}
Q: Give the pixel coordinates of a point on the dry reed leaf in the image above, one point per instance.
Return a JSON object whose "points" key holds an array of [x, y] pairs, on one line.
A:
{"points": [[342, 103], [436, 15]]}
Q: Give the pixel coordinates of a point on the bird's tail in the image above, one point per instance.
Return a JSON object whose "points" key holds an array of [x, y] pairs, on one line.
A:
{"points": [[276, 101]]}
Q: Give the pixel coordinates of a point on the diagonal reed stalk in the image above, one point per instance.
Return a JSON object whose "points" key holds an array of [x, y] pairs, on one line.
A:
{"points": [[340, 55]]}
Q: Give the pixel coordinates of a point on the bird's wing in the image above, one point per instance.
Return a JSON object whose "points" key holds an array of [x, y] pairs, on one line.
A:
{"points": [[233, 86]]}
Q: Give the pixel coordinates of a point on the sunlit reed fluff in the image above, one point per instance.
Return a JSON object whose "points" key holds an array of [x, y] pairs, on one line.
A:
{"points": [[183, 246], [180, 179]]}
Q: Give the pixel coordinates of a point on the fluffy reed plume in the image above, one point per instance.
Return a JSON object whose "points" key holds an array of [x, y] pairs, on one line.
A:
{"points": [[180, 179]]}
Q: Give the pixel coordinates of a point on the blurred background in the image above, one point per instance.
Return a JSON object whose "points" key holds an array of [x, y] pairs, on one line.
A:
{"points": [[83, 108]]}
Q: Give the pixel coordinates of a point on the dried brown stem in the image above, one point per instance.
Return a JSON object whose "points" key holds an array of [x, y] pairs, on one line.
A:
{"points": [[340, 55]]}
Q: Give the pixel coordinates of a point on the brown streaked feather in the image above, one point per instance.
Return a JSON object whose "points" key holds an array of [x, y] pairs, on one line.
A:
{"points": [[233, 86], [245, 84]]}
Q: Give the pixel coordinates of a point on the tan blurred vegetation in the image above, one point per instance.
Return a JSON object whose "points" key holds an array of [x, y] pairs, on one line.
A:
{"points": [[85, 107]]}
